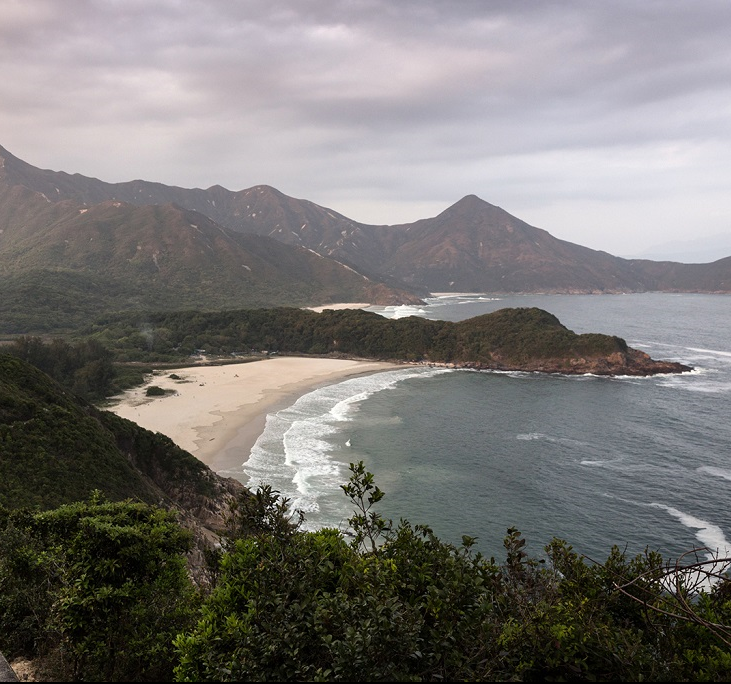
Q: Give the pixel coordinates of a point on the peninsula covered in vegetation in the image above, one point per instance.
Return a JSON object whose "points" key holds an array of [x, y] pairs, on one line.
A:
{"points": [[529, 339]]}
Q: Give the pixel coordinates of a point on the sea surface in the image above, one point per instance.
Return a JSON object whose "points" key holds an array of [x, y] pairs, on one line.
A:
{"points": [[641, 463]]}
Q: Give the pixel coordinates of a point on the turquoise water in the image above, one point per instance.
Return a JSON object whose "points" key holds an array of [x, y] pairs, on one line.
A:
{"points": [[636, 462]]}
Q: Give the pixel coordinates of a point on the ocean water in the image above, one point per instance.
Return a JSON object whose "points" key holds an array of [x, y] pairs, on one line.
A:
{"points": [[596, 461]]}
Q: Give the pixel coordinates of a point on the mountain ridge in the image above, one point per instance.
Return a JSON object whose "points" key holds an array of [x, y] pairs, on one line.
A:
{"points": [[119, 256], [260, 247]]}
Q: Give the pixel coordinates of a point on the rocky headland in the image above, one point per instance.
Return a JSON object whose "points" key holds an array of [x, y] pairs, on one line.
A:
{"points": [[630, 362]]}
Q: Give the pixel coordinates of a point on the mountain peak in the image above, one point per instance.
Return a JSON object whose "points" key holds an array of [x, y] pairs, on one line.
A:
{"points": [[10, 164], [470, 204], [472, 200], [4, 153]]}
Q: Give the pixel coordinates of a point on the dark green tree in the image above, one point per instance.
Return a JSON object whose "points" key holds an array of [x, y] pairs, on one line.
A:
{"points": [[395, 603]]}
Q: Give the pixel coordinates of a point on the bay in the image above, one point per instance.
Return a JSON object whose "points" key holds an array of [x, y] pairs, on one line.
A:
{"points": [[636, 462]]}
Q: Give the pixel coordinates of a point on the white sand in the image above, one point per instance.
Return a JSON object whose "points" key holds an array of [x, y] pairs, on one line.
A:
{"points": [[338, 306], [215, 405]]}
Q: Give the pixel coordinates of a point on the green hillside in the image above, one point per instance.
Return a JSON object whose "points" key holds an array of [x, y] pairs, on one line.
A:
{"points": [[55, 448]]}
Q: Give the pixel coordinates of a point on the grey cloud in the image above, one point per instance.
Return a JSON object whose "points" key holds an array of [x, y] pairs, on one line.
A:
{"points": [[375, 102]]}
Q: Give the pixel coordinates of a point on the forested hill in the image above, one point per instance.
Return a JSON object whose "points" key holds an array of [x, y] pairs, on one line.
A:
{"points": [[527, 339]]}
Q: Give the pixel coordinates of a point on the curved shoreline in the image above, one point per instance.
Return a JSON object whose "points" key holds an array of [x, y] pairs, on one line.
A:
{"points": [[218, 412]]}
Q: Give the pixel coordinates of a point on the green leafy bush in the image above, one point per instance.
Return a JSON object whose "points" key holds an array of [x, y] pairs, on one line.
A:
{"points": [[100, 589], [155, 391], [398, 604]]}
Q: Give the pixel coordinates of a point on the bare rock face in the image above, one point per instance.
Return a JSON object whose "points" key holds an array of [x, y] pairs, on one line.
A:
{"points": [[630, 362], [208, 510], [205, 517], [636, 362]]}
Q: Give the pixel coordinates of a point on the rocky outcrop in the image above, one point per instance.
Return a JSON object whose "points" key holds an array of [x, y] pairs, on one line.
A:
{"points": [[630, 362]]}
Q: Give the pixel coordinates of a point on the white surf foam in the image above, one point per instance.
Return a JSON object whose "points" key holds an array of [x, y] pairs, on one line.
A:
{"points": [[716, 353], [712, 540], [539, 436], [715, 472], [709, 535], [296, 453], [402, 311]]}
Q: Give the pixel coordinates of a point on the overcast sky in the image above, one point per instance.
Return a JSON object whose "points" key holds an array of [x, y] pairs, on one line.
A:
{"points": [[606, 123]]}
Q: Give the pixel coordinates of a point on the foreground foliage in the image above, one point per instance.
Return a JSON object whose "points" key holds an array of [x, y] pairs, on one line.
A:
{"points": [[95, 590], [104, 584], [398, 604]]}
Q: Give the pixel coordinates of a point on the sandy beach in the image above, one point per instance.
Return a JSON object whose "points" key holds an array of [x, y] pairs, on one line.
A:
{"points": [[210, 408], [319, 309]]}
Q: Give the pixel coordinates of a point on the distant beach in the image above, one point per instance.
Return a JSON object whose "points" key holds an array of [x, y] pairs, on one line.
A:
{"points": [[208, 407], [338, 306]]}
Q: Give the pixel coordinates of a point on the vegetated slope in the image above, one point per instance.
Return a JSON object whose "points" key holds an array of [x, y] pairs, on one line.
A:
{"points": [[56, 449], [260, 210], [674, 277], [62, 263], [471, 246], [509, 339]]}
